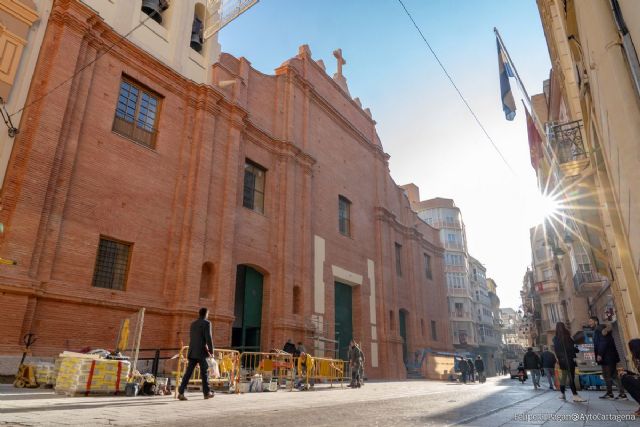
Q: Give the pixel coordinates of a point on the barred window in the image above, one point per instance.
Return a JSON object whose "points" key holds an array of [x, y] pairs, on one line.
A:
{"points": [[344, 215], [254, 179], [136, 113], [112, 264]]}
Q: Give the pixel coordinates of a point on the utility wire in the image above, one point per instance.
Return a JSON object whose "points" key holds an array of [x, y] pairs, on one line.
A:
{"points": [[458, 90], [85, 66]]}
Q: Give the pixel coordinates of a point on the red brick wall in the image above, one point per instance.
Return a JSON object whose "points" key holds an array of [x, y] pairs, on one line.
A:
{"points": [[72, 179]]}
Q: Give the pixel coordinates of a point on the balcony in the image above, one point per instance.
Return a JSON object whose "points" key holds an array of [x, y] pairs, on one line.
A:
{"points": [[546, 286], [568, 146], [588, 284], [460, 315], [456, 246], [458, 292], [440, 223], [450, 268]]}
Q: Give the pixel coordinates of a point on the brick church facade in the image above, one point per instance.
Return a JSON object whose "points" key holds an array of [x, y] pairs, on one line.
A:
{"points": [[266, 198]]}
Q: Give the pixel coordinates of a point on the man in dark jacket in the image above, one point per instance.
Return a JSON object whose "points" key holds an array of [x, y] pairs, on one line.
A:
{"points": [[464, 369], [532, 362], [200, 347], [607, 356], [290, 347], [479, 364], [549, 366], [472, 369]]}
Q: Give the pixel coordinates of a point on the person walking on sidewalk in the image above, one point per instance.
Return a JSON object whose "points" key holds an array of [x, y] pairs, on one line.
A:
{"points": [[464, 369], [532, 362], [200, 346], [472, 368], [606, 356], [631, 380], [479, 364], [565, 349], [549, 366]]}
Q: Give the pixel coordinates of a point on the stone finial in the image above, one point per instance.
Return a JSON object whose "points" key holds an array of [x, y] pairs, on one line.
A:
{"points": [[304, 50], [368, 111], [320, 62], [338, 77], [341, 61], [357, 101]]}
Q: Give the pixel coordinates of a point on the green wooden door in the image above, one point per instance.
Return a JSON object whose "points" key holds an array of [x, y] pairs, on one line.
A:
{"points": [[343, 318], [403, 334], [248, 310]]}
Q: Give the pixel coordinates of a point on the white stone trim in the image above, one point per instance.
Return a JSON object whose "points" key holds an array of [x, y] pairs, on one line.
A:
{"points": [[374, 354], [348, 277], [372, 294], [318, 274]]}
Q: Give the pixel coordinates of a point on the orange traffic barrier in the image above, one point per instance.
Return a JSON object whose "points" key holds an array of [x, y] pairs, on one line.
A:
{"points": [[228, 367], [275, 370], [311, 369]]}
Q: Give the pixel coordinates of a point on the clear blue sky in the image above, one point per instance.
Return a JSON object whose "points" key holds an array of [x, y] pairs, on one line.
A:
{"points": [[431, 137]]}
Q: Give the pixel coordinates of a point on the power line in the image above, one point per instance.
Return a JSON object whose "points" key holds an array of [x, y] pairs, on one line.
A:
{"points": [[458, 90], [85, 66]]}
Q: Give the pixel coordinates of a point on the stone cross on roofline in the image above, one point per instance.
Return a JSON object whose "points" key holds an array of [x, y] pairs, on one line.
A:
{"points": [[339, 77], [341, 61]]}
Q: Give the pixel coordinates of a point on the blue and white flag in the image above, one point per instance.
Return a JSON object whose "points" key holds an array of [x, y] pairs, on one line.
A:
{"points": [[508, 104]]}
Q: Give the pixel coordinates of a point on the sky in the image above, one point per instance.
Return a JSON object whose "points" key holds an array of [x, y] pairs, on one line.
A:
{"points": [[431, 137]]}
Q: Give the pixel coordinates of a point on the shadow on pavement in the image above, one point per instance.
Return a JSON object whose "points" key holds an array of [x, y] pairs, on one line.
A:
{"points": [[83, 405]]}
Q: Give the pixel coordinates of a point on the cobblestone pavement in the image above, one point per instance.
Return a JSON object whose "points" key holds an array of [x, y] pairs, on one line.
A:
{"points": [[499, 402]]}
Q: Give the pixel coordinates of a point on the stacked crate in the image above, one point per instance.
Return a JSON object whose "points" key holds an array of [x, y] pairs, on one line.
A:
{"points": [[82, 375]]}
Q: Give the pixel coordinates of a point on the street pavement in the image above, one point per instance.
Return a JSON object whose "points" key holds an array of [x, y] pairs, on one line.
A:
{"points": [[498, 402]]}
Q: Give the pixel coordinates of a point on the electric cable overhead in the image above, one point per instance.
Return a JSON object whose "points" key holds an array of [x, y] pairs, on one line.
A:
{"points": [[458, 90], [85, 66]]}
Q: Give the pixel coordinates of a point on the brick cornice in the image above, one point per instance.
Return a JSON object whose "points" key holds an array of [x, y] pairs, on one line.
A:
{"points": [[20, 11], [383, 214]]}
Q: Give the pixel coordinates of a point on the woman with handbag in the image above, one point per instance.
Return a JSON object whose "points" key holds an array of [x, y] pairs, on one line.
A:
{"points": [[565, 349]]}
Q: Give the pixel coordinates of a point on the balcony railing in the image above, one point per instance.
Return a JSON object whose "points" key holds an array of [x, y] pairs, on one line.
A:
{"points": [[465, 315], [568, 146], [453, 245], [587, 283], [439, 223], [546, 286]]}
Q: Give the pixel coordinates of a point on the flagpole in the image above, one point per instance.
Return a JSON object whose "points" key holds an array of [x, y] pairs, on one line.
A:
{"points": [[515, 70]]}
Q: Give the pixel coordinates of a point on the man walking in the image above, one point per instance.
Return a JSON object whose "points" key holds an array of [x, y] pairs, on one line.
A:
{"points": [[356, 359], [200, 346], [479, 364], [472, 368], [532, 362], [549, 365], [464, 369], [606, 356]]}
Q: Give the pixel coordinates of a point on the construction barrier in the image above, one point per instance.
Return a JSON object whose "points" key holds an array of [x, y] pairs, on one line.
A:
{"points": [[228, 366], [266, 371], [321, 369]]}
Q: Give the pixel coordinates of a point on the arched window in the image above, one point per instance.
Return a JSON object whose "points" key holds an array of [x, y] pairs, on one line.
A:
{"points": [[206, 278], [296, 300], [197, 28]]}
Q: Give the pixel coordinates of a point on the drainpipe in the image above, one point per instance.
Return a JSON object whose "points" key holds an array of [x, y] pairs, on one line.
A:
{"points": [[627, 44]]}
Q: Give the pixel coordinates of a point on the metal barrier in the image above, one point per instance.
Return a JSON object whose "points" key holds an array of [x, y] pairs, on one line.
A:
{"points": [[228, 365], [311, 369], [278, 366]]}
